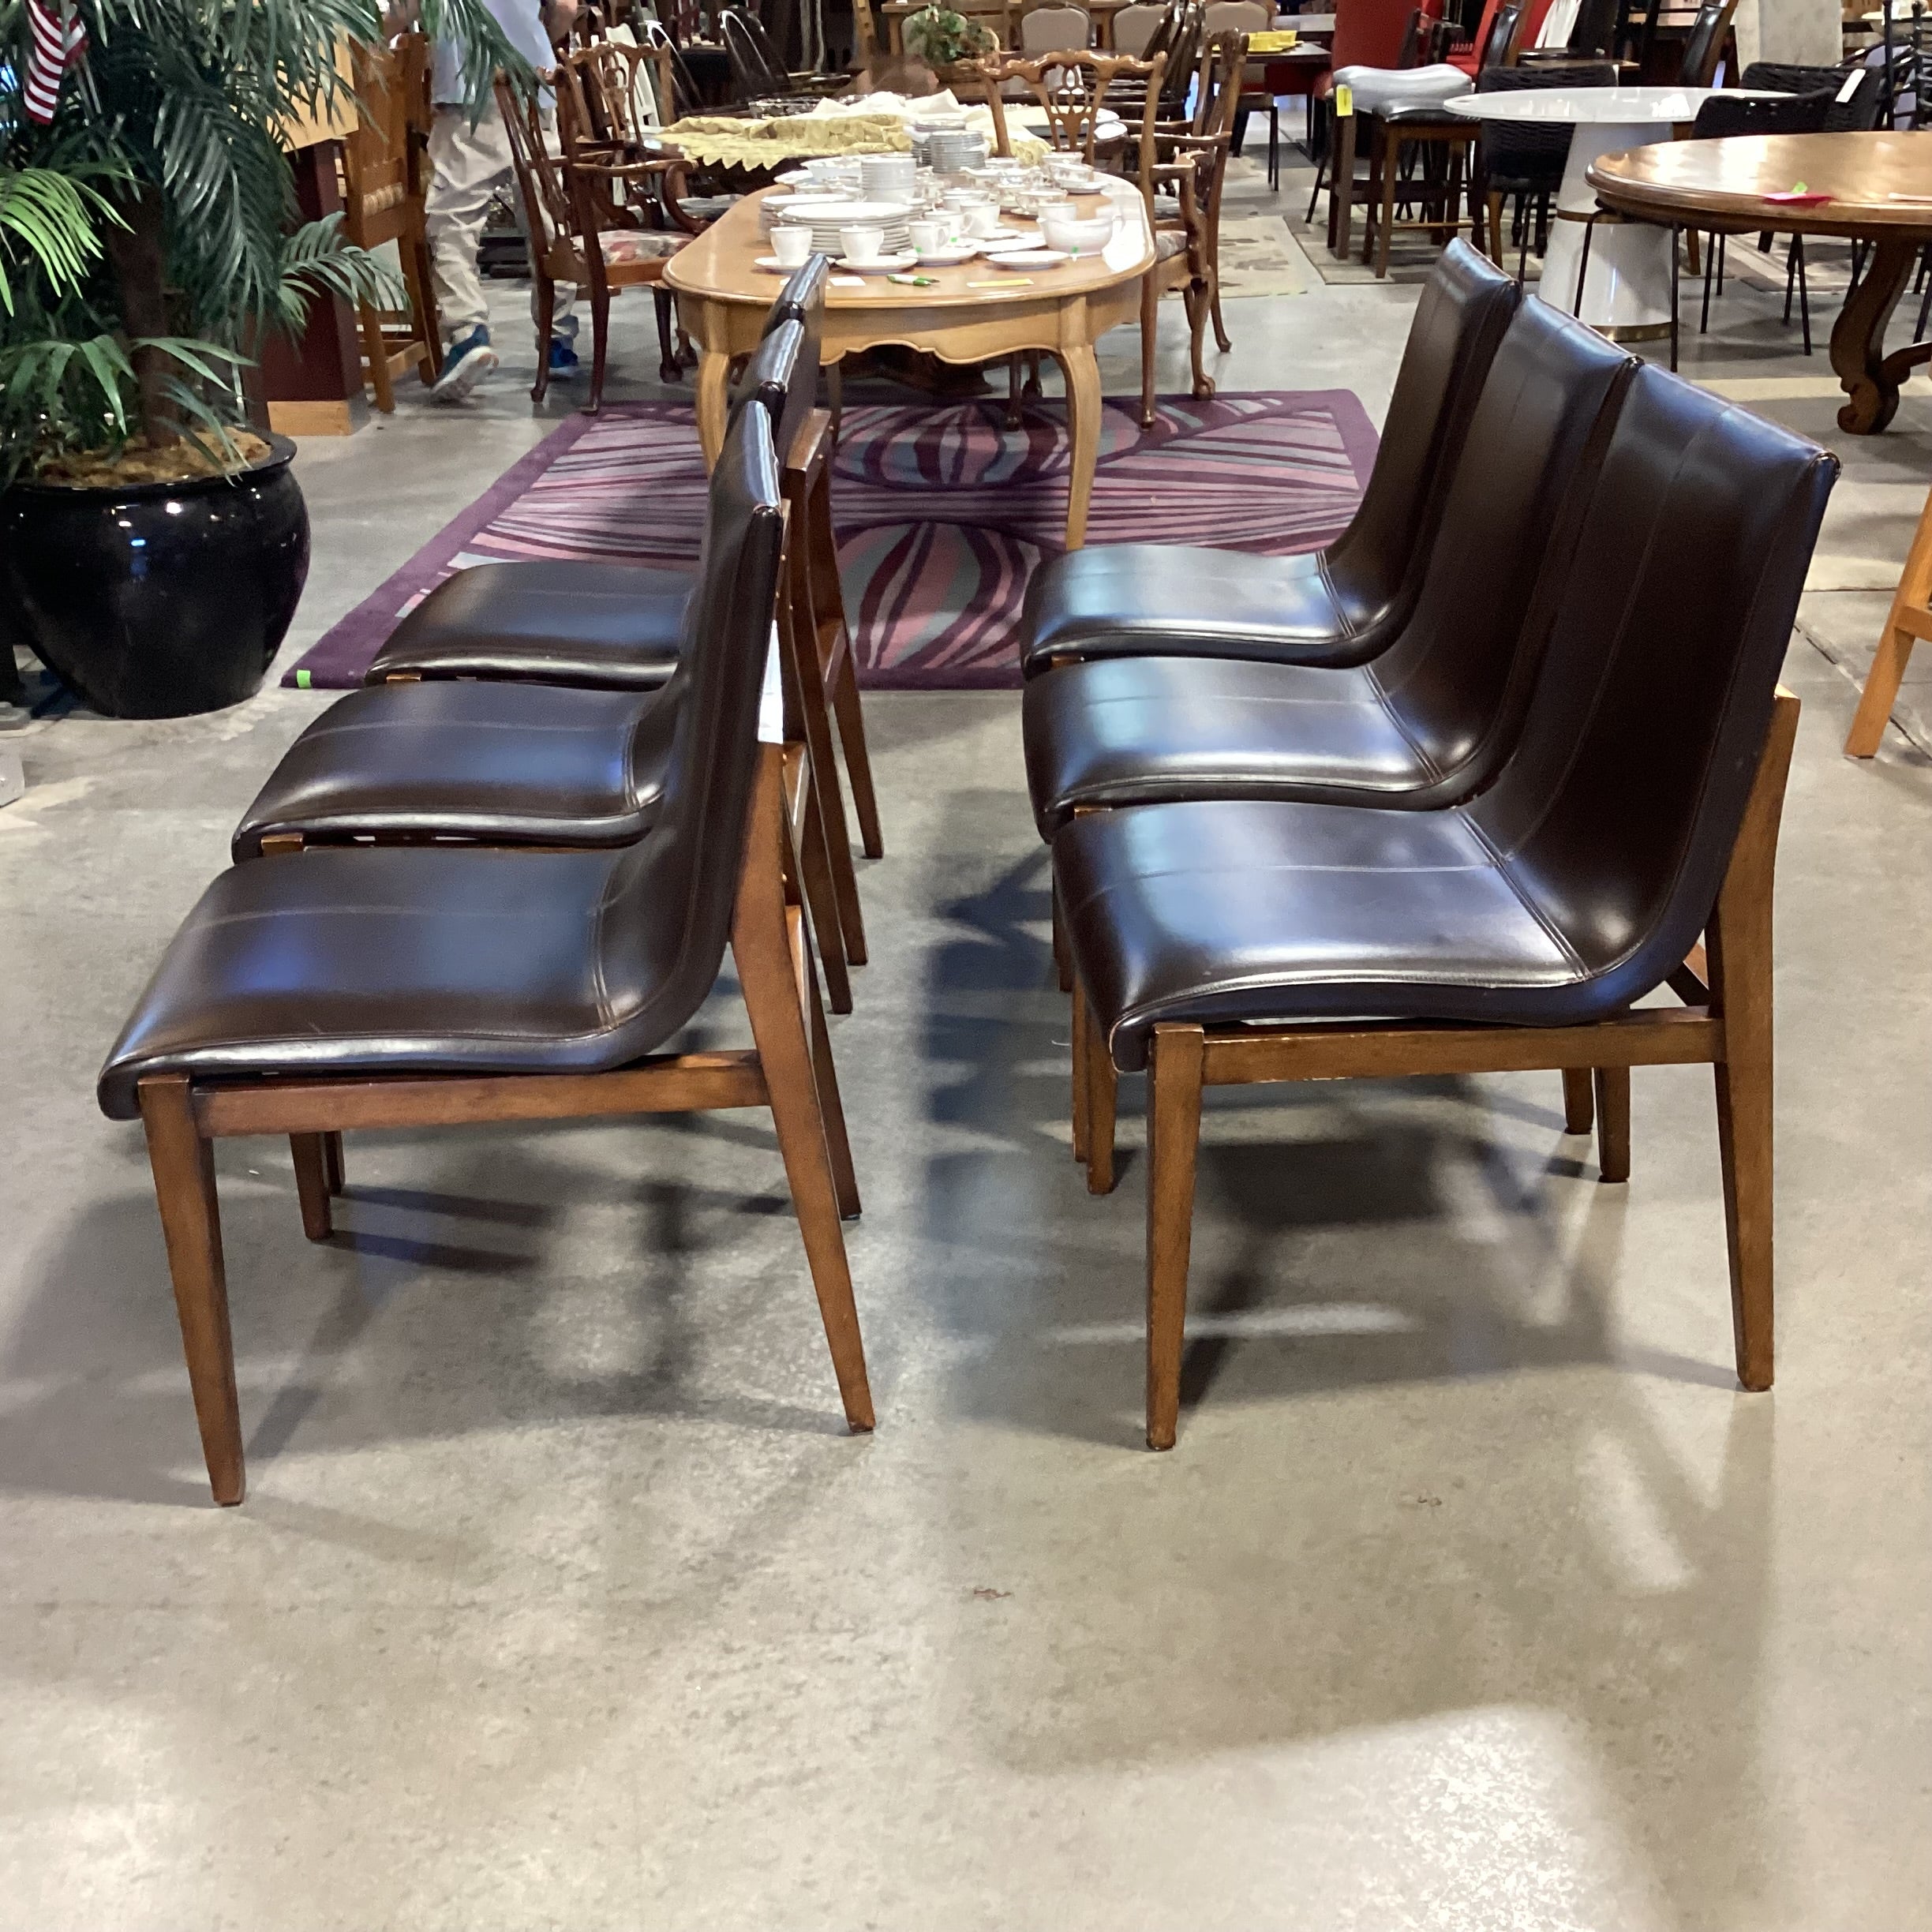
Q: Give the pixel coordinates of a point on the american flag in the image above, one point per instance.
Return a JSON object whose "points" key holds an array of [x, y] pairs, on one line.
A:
{"points": [[56, 41]]}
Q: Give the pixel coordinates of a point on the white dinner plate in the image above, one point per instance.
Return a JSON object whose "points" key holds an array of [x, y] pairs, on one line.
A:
{"points": [[772, 265], [948, 257], [885, 264], [1028, 258]]}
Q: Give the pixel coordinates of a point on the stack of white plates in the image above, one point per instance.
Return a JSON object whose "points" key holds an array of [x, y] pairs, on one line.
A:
{"points": [[786, 207], [825, 219], [888, 177]]}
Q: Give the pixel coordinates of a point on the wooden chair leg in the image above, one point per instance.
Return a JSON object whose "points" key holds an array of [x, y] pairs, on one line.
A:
{"points": [[1341, 189], [1102, 1086], [1579, 1111], [1174, 1070], [1063, 960], [1613, 1086], [825, 1072], [376, 352], [332, 1163], [1911, 599], [1079, 1073], [822, 897], [599, 341], [184, 1179], [761, 944], [312, 1185], [1199, 302], [858, 758], [1150, 322], [1493, 225], [1015, 415], [421, 280], [544, 294], [1738, 949], [670, 368]]}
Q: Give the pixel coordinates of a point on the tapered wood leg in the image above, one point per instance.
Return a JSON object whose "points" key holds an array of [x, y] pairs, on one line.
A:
{"points": [[761, 948], [184, 1179], [1199, 301], [332, 1163], [1613, 1123], [1911, 613], [858, 758], [1738, 950], [1173, 1135], [1079, 1073], [312, 1185], [1579, 1112], [1083, 394], [1342, 188], [377, 354], [422, 304], [828, 598], [1102, 1083], [1149, 325], [599, 341], [545, 297], [821, 896], [825, 1072]]}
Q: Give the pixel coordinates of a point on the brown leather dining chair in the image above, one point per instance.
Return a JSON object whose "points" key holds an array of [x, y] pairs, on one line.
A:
{"points": [[1426, 721], [558, 765], [1244, 941], [1340, 605], [617, 626], [429, 986]]}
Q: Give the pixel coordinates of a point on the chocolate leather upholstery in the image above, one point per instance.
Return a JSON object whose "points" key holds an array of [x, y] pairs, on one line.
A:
{"points": [[611, 626], [1577, 882], [500, 762], [1428, 722], [459, 959], [1340, 606]]}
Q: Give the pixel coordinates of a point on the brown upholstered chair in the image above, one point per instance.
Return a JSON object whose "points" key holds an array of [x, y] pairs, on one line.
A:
{"points": [[1426, 721], [490, 761], [1340, 605], [425, 985], [1236, 941], [385, 184]]}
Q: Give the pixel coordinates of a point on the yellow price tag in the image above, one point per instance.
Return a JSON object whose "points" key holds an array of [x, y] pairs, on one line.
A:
{"points": [[1344, 102]]}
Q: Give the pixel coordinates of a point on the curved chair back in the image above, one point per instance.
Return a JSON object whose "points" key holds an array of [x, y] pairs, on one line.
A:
{"points": [[1241, 17], [1135, 27], [1617, 814], [685, 97], [1527, 152], [1860, 113], [1460, 674], [1593, 31], [1071, 86], [678, 889], [1376, 564], [1704, 45], [1047, 29], [1368, 33], [757, 72], [1728, 114], [1499, 45]]}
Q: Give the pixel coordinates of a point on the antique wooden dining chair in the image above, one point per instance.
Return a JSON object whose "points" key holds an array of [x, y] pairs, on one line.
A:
{"points": [[385, 185]]}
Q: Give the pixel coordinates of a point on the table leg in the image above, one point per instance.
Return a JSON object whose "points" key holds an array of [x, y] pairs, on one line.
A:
{"points": [[1858, 354], [1083, 393], [714, 380], [1341, 186]]}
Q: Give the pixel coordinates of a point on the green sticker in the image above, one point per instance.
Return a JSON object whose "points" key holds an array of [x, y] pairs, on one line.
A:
{"points": [[301, 681]]}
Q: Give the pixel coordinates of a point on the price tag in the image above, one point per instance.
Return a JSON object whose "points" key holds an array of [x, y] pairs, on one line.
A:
{"points": [[771, 698], [1850, 86], [1344, 102]]}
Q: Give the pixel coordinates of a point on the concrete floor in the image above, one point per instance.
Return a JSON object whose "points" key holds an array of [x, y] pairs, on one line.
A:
{"points": [[1475, 1596]]}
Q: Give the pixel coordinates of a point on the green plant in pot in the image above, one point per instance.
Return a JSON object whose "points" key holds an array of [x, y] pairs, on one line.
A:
{"points": [[944, 40], [153, 546]]}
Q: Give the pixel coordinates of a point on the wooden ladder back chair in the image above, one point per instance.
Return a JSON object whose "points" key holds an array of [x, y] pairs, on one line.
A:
{"points": [[385, 187], [1071, 84]]}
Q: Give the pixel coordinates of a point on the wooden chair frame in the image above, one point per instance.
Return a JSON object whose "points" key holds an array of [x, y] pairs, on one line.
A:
{"points": [[787, 1069], [1726, 1020], [1388, 139], [385, 187], [1909, 619]]}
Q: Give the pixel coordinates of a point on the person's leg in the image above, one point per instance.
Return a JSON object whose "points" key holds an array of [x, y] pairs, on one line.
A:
{"points": [[470, 164]]}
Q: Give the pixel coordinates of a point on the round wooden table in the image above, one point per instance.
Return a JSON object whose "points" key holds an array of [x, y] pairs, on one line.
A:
{"points": [[1881, 190], [972, 313]]}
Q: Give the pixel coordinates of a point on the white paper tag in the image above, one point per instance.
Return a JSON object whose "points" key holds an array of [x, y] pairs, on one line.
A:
{"points": [[771, 700], [1850, 86], [845, 281]]}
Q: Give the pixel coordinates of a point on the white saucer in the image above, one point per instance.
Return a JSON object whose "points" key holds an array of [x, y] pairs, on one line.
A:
{"points": [[1029, 258], [886, 265], [772, 265], [948, 257]]}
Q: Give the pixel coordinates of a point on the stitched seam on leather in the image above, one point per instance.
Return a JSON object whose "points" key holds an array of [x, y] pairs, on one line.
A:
{"points": [[1556, 936], [606, 1011], [1350, 628], [1401, 730]]}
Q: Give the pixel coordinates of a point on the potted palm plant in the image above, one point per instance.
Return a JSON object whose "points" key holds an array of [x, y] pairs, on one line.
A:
{"points": [[152, 546]]}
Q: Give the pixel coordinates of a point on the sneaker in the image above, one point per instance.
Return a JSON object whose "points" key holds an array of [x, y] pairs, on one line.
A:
{"points": [[563, 358], [468, 362]]}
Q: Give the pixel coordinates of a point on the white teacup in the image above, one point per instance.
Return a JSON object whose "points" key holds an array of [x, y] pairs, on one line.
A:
{"points": [[861, 245], [928, 236], [981, 219], [790, 244]]}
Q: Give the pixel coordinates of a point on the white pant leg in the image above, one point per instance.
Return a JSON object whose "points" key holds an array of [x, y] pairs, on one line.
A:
{"points": [[564, 294], [470, 164]]}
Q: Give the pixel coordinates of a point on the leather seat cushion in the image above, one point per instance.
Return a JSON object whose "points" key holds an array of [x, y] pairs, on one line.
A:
{"points": [[1125, 599], [1218, 912], [1132, 730], [617, 625], [1380, 89], [412, 957], [518, 764]]}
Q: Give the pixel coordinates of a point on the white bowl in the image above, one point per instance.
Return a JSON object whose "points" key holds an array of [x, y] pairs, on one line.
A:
{"points": [[1076, 234]]}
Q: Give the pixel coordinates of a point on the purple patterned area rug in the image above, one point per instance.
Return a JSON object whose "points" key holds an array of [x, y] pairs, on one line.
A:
{"points": [[942, 513]]}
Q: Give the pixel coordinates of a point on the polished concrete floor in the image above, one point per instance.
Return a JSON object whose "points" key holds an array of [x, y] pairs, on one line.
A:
{"points": [[1475, 1596]]}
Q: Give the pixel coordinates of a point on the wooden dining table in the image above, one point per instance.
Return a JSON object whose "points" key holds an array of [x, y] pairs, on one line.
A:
{"points": [[971, 313], [1878, 189]]}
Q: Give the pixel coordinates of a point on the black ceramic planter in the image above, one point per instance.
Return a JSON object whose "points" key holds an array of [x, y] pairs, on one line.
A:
{"points": [[160, 599]]}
